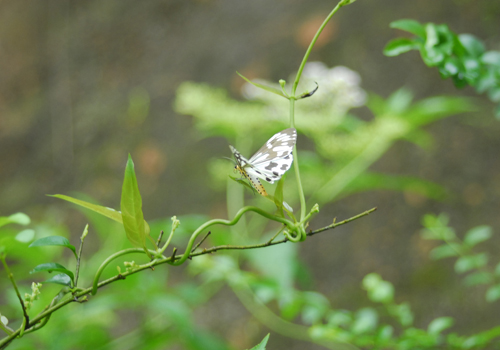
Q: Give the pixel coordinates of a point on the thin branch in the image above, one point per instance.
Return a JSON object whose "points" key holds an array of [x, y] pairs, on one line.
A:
{"points": [[200, 242], [162, 260], [335, 224], [271, 243], [11, 278]]}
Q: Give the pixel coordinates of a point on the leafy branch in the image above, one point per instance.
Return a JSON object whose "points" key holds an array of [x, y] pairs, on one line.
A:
{"points": [[77, 294], [461, 57]]}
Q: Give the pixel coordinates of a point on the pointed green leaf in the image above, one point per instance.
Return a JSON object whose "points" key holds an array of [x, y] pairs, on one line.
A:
{"points": [[262, 344], [25, 236], [409, 25], [445, 251], [17, 218], [398, 46], [368, 181], [491, 57], [366, 320], [60, 279], [399, 101], [470, 262], [439, 324], [278, 196], [264, 87], [476, 278], [474, 46], [131, 207], [53, 240], [53, 267], [107, 212], [477, 235]]}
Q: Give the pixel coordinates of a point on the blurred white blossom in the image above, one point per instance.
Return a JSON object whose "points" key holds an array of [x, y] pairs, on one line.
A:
{"points": [[339, 91]]}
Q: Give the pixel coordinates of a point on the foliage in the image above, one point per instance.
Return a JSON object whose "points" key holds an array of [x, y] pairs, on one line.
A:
{"points": [[461, 57], [265, 281], [476, 265]]}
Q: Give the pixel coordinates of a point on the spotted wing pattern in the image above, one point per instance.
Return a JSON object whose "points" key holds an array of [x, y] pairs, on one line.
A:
{"points": [[270, 162]]}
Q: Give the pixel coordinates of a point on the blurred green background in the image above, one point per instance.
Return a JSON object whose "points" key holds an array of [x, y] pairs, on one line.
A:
{"points": [[82, 84]]}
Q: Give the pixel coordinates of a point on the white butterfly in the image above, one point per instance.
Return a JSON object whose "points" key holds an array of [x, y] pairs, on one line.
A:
{"points": [[270, 162]]}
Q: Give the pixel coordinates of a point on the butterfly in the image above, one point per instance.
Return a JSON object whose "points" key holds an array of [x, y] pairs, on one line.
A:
{"points": [[270, 162]]}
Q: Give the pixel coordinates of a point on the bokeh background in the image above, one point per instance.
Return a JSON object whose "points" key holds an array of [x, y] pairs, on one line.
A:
{"points": [[84, 83]]}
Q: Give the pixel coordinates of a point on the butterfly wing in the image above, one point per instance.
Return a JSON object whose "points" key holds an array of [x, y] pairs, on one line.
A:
{"points": [[270, 162], [274, 158]]}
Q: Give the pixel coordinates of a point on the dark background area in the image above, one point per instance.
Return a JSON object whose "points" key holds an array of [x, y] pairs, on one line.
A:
{"points": [[70, 69]]}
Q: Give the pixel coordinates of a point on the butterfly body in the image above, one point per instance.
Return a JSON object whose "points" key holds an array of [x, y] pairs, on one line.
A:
{"points": [[270, 162]]}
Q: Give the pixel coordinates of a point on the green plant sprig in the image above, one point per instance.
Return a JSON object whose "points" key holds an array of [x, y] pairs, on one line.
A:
{"points": [[26, 319], [292, 98], [41, 319]]}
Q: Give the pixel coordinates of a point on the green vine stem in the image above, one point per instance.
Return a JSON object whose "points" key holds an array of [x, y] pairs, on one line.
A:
{"points": [[311, 45], [113, 257], [293, 98], [26, 320], [237, 217], [163, 260]]}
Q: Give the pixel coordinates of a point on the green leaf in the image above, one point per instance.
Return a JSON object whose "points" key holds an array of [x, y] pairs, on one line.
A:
{"points": [[491, 57], [316, 305], [477, 235], [278, 196], [409, 25], [53, 240], [402, 313], [486, 81], [399, 101], [439, 324], [445, 251], [262, 344], [481, 340], [473, 46], [366, 320], [493, 293], [432, 56], [385, 334], [338, 318], [17, 218], [60, 279], [53, 267], [477, 278], [435, 108], [368, 181], [382, 293], [398, 46], [379, 291], [451, 67], [131, 207], [25, 236], [470, 262], [264, 87], [431, 35], [107, 212]]}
